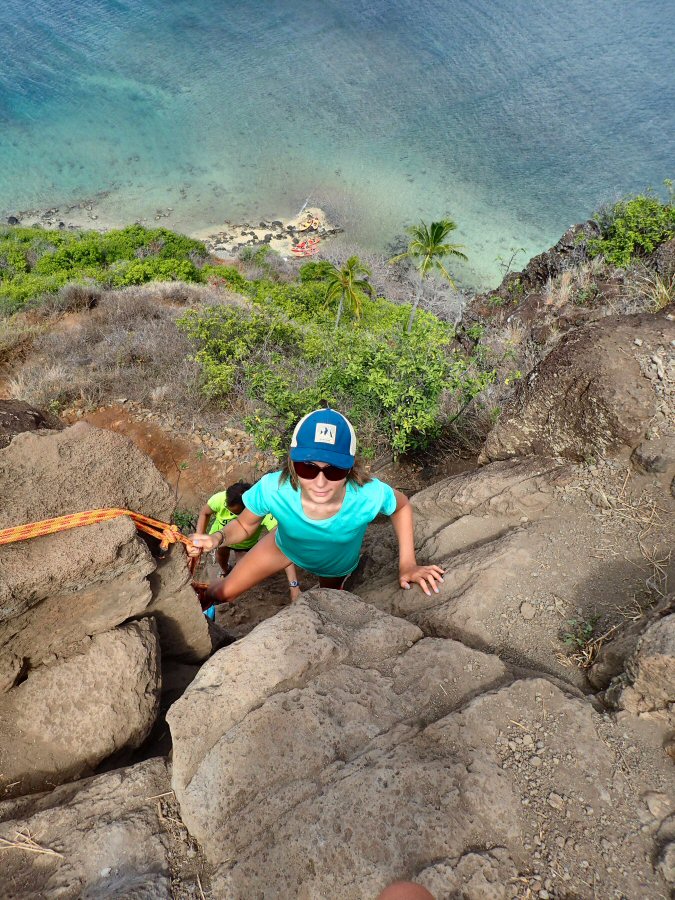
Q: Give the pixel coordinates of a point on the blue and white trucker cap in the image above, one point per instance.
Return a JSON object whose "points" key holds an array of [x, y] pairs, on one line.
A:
{"points": [[324, 436]]}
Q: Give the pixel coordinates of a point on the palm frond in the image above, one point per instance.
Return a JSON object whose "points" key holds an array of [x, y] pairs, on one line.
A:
{"points": [[399, 257]]}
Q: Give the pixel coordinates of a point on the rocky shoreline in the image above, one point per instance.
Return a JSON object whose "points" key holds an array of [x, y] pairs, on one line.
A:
{"points": [[303, 232], [70, 216], [301, 235]]}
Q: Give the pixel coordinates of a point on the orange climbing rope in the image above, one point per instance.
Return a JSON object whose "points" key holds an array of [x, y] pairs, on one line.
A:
{"points": [[166, 534]]}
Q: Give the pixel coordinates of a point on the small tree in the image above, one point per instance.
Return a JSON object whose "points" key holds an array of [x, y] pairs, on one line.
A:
{"points": [[348, 284], [426, 250]]}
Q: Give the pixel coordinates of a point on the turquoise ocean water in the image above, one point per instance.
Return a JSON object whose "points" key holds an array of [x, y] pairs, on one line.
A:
{"points": [[514, 118]]}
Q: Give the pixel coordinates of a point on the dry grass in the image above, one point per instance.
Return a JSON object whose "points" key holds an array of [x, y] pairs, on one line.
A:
{"points": [[644, 291], [506, 345], [16, 337], [597, 267], [128, 345], [658, 291], [558, 291], [72, 297], [585, 652], [469, 426], [23, 840], [513, 333], [576, 284]]}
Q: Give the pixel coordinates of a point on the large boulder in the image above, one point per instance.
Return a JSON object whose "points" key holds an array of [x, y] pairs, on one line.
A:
{"points": [[535, 565], [60, 588], [79, 680], [78, 468], [17, 416], [67, 717], [647, 688], [287, 649], [493, 531], [181, 630], [473, 506], [334, 750], [105, 837], [614, 653], [589, 396]]}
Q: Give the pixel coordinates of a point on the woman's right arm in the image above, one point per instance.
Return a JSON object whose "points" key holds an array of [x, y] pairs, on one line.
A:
{"points": [[234, 532]]}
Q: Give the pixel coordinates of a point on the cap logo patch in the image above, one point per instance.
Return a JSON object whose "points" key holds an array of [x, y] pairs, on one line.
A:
{"points": [[325, 433]]}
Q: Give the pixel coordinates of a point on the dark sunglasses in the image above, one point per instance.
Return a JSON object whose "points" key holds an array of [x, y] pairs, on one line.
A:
{"points": [[310, 471]]}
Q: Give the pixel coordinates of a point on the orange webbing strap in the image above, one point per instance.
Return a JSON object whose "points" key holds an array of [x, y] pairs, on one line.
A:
{"points": [[166, 534]]}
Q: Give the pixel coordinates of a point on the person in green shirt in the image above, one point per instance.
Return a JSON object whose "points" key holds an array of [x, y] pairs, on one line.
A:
{"points": [[224, 507]]}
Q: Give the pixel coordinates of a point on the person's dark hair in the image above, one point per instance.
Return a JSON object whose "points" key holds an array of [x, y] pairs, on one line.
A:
{"points": [[235, 493], [356, 474]]}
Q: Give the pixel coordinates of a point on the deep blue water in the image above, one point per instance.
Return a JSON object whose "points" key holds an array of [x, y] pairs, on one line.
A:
{"points": [[515, 119]]}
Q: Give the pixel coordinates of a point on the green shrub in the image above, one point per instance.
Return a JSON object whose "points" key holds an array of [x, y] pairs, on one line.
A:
{"points": [[16, 293], [633, 227], [391, 384], [34, 261], [317, 270], [13, 261], [302, 302], [256, 255], [185, 519], [35, 238], [128, 243], [72, 257], [224, 276], [154, 268]]}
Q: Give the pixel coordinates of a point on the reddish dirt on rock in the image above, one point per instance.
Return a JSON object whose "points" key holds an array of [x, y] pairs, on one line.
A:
{"points": [[192, 475]]}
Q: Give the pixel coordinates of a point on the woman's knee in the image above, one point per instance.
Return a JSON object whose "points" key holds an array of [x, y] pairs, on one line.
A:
{"points": [[222, 590]]}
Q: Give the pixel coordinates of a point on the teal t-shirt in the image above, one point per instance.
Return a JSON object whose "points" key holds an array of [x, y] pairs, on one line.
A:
{"points": [[326, 547]]}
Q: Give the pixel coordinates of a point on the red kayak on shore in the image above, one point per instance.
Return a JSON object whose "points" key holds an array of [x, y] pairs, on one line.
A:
{"points": [[306, 248]]}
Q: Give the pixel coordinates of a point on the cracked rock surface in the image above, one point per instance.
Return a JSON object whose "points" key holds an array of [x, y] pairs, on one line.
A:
{"points": [[336, 748], [111, 836]]}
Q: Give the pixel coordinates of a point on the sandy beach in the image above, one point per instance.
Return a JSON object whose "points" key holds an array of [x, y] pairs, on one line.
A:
{"points": [[297, 237]]}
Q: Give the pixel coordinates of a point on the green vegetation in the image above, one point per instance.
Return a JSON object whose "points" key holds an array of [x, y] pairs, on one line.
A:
{"points": [[185, 519], [427, 249], [35, 262], [586, 294], [582, 641], [348, 285], [633, 227], [317, 270], [292, 345], [580, 632], [284, 356]]}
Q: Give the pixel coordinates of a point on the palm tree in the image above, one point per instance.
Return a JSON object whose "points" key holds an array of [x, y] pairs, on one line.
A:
{"points": [[348, 284], [426, 250]]}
